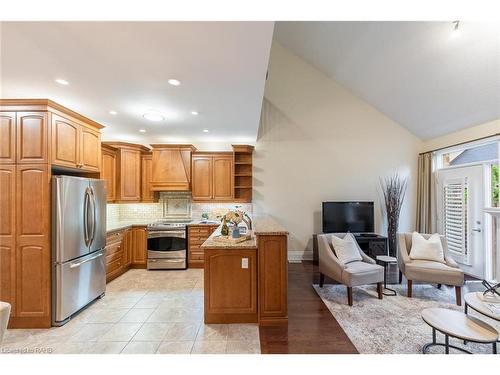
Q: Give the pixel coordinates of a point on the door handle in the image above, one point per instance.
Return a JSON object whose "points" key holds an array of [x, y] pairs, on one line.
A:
{"points": [[477, 230], [86, 202], [92, 196], [75, 265]]}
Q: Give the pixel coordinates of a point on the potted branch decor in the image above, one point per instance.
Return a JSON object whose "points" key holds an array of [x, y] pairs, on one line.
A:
{"points": [[394, 190]]}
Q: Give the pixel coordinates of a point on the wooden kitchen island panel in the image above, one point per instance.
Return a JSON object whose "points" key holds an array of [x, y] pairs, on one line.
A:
{"points": [[231, 279]]}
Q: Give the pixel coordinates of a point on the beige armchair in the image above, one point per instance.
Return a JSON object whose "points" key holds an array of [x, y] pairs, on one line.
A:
{"points": [[350, 274], [447, 273]]}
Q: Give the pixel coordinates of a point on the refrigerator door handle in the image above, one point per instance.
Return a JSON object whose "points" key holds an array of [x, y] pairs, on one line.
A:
{"points": [[74, 265], [92, 199], [86, 217]]}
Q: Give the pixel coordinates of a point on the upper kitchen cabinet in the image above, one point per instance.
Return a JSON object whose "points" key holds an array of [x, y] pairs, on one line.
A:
{"points": [[41, 131], [108, 170], [171, 167], [147, 195], [212, 177], [31, 134], [128, 171], [75, 145], [90, 149]]}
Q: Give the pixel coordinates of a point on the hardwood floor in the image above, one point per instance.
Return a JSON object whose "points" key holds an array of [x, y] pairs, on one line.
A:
{"points": [[311, 329]]}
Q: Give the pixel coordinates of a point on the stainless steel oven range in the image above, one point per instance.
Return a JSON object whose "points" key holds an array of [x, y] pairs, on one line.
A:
{"points": [[167, 246]]}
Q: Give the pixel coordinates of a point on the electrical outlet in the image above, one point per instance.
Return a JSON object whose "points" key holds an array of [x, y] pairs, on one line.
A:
{"points": [[244, 262]]}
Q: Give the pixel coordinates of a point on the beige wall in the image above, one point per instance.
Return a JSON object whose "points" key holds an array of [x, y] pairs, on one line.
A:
{"points": [[319, 142], [465, 135]]}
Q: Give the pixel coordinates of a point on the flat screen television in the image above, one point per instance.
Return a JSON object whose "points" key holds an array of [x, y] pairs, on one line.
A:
{"points": [[355, 217]]}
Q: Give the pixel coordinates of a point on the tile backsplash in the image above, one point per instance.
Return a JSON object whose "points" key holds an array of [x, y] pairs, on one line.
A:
{"points": [[154, 211], [215, 209]]}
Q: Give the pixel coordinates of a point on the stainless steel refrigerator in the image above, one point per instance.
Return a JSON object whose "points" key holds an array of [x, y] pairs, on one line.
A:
{"points": [[79, 238]]}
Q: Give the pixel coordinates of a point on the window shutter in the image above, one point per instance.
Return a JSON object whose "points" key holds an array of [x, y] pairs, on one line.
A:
{"points": [[455, 218]]}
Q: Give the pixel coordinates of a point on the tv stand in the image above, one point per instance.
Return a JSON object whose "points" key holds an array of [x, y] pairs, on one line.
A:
{"points": [[372, 244]]}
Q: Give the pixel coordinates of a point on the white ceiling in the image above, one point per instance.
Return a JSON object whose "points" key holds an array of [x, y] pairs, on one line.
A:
{"points": [[124, 66], [416, 73]]}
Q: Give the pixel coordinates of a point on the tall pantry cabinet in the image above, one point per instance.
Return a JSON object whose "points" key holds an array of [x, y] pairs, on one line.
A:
{"points": [[36, 135]]}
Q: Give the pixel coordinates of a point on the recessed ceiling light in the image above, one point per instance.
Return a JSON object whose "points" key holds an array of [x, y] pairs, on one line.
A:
{"points": [[174, 82], [142, 130], [62, 81], [205, 130], [114, 113], [194, 113], [153, 116]]}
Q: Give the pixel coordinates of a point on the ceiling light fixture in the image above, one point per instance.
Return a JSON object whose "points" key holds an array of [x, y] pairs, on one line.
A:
{"points": [[174, 82], [114, 113], [153, 116], [62, 81], [142, 130], [205, 130], [194, 113]]}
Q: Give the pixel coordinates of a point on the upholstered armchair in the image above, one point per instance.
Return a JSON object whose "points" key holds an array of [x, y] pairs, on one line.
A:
{"points": [[351, 274], [428, 271], [4, 318]]}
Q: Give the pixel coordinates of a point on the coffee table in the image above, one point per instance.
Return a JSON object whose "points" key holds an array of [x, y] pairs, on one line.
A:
{"points": [[475, 303], [452, 323], [385, 260]]}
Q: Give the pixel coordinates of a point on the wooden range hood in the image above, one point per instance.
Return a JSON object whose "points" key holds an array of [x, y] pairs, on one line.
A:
{"points": [[171, 167]]}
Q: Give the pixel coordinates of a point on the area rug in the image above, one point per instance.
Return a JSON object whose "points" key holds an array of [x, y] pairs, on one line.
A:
{"points": [[394, 325]]}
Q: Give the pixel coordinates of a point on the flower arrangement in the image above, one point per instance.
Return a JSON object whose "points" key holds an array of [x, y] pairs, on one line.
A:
{"points": [[234, 217]]}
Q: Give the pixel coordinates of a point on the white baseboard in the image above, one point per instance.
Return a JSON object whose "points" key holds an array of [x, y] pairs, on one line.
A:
{"points": [[298, 256]]}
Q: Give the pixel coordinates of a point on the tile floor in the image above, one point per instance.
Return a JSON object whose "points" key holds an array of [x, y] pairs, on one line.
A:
{"points": [[142, 312]]}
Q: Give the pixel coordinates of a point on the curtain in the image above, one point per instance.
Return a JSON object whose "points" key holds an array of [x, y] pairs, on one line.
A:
{"points": [[424, 193]]}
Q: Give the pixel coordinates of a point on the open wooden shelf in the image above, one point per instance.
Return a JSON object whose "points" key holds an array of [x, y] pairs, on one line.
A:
{"points": [[243, 173]]}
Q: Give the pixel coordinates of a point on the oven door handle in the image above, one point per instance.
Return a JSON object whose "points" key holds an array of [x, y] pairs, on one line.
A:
{"points": [[166, 260], [156, 234]]}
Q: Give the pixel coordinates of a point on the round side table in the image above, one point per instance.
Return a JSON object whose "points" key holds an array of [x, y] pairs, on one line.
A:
{"points": [[385, 260]]}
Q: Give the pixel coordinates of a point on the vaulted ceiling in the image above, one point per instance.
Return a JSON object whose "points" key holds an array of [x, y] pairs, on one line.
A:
{"points": [[124, 67], [426, 76]]}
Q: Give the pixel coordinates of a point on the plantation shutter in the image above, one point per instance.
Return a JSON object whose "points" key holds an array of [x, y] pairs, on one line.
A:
{"points": [[455, 217]]}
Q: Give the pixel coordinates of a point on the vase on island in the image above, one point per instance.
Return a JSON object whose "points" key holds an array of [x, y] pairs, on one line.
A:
{"points": [[236, 232]]}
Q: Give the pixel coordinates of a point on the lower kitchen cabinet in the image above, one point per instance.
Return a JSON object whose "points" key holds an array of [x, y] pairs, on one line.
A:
{"points": [[114, 255], [139, 247], [197, 234], [125, 249]]}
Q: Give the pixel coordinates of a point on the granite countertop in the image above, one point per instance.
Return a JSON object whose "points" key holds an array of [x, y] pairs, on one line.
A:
{"points": [[266, 225], [263, 225], [204, 222], [210, 243], [124, 224]]}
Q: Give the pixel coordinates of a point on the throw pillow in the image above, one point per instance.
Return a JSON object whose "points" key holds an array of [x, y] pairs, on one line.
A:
{"points": [[346, 249], [430, 249]]}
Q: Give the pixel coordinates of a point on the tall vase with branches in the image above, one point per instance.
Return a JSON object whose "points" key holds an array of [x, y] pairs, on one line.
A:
{"points": [[394, 190]]}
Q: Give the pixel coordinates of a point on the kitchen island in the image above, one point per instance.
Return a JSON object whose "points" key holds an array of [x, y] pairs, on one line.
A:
{"points": [[246, 282]]}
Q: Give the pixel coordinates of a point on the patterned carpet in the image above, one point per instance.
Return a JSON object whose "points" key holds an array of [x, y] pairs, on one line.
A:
{"points": [[394, 325]]}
